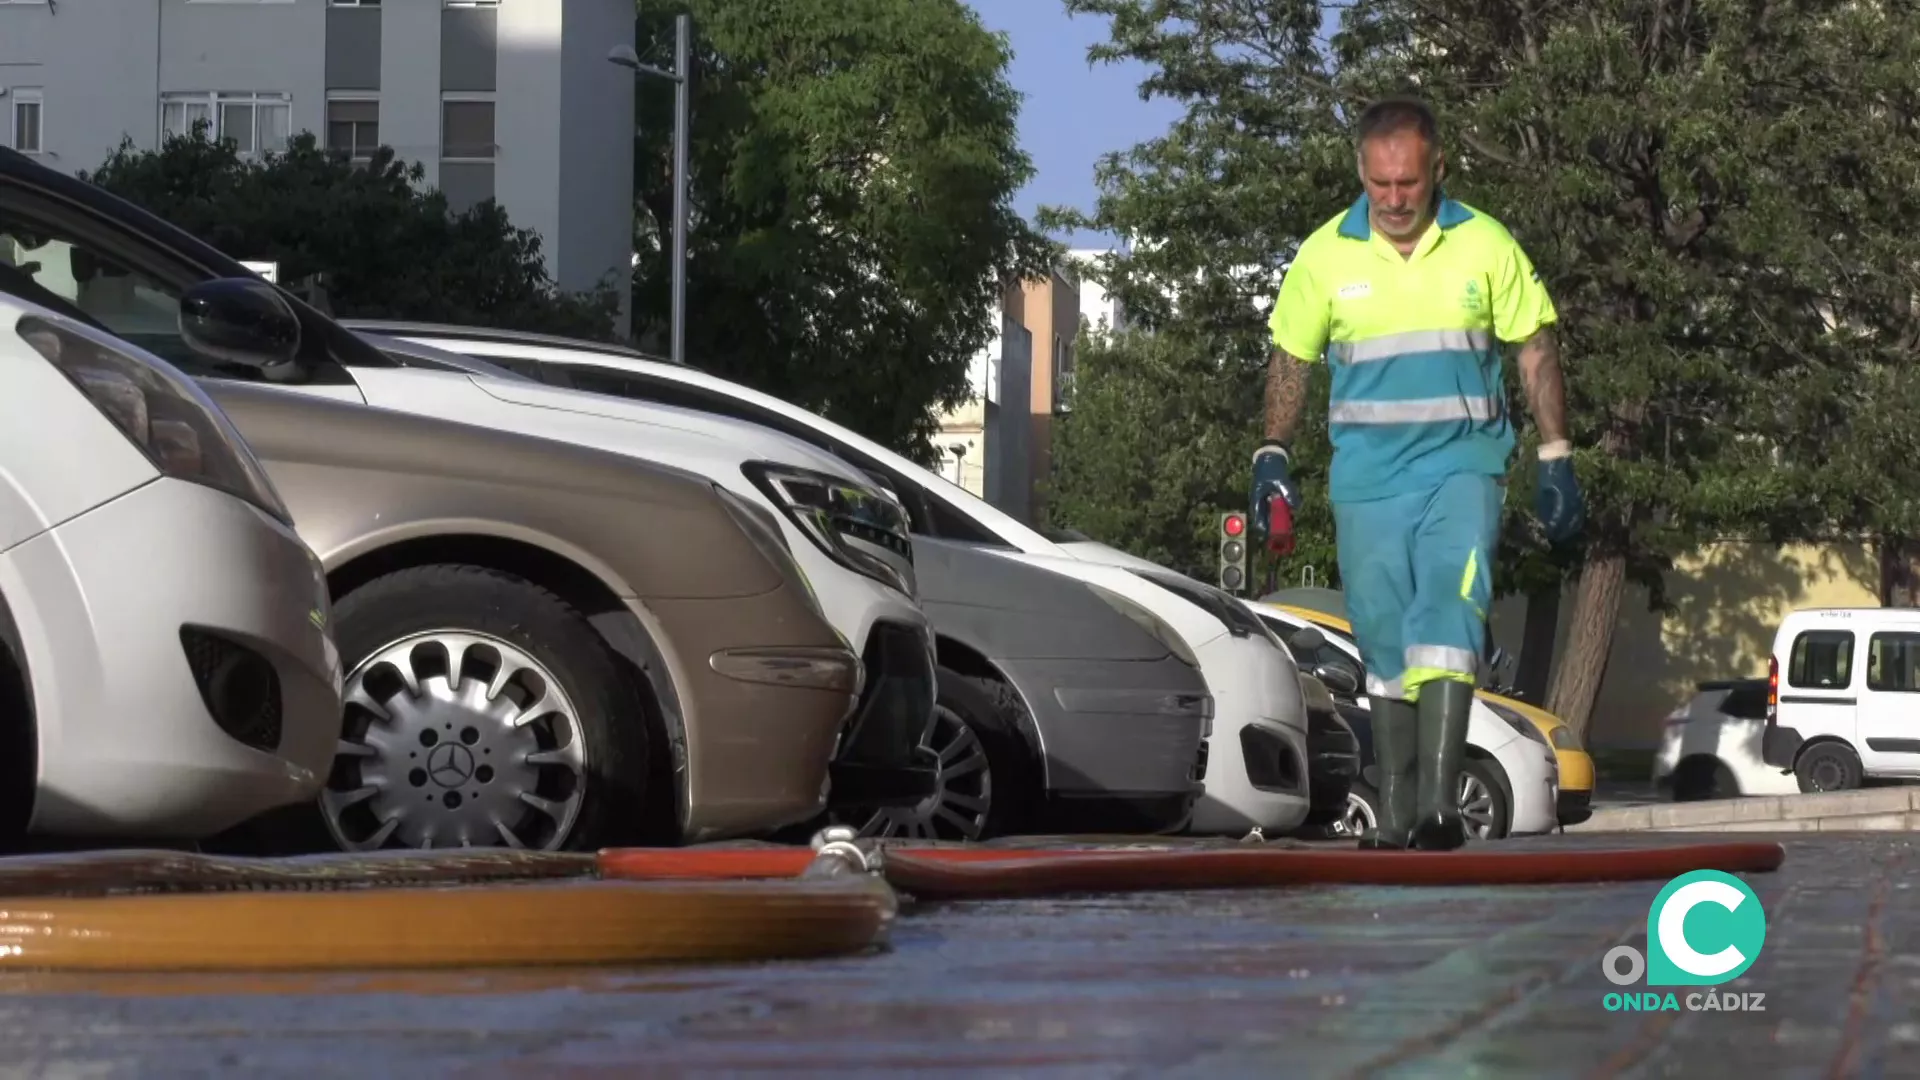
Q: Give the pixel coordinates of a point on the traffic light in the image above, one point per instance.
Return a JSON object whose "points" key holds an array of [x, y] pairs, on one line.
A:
{"points": [[1233, 551]]}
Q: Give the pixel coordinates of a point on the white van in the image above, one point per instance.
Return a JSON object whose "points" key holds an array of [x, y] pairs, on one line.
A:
{"points": [[1843, 696]]}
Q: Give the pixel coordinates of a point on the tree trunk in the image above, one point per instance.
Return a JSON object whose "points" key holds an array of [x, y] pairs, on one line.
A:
{"points": [[1536, 644], [1899, 571], [1596, 610]]}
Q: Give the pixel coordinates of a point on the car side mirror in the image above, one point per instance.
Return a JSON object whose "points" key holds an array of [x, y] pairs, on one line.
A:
{"points": [[1338, 678], [241, 321], [1307, 638]]}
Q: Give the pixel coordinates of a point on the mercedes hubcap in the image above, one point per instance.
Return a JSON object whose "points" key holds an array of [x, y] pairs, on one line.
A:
{"points": [[455, 740], [1476, 806], [962, 794]]}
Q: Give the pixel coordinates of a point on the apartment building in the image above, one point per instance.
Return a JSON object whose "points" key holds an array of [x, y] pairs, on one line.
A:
{"points": [[999, 443], [506, 99]]}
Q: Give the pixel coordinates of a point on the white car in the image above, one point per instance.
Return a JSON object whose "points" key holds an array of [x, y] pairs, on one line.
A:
{"points": [[166, 665], [102, 259], [1510, 779], [1710, 747], [1255, 720]]}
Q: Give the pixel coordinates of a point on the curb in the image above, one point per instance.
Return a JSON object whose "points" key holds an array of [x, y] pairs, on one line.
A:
{"points": [[1894, 809]]}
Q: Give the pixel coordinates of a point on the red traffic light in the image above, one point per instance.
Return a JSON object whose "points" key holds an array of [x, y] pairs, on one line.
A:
{"points": [[1234, 524]]}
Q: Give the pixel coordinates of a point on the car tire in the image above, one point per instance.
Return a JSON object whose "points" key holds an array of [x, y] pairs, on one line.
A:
{"points": [[1490, 780], [612, 716], [983, 760], [1828, 766], [1704, 778]]}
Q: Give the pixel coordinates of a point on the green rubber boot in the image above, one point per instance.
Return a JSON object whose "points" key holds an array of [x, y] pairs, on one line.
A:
{"points": [[1444, 708], [1396, 743]]}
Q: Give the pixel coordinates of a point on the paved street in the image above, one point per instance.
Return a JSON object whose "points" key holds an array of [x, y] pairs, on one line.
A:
{"points": [[1492, 982]]}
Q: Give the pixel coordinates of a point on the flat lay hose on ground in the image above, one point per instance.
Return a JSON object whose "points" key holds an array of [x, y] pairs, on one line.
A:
{"points": [[164, 911], [942, 873]]}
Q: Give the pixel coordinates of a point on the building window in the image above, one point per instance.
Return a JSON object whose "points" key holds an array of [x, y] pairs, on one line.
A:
{"points": [[466, 129], [257, 123], [353, 126], [25, 134]]}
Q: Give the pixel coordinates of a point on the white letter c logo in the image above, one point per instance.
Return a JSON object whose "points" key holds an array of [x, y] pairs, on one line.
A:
{"points": [[1673, 936]]}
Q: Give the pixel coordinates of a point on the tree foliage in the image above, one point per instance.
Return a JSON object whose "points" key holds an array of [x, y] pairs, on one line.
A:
{"points": [[382, 242], [1702, 185], [851, 229], [1157, 445]]}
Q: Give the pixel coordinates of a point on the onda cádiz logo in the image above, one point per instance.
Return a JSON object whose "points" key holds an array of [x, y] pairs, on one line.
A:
{"points": [[1704, 928]]}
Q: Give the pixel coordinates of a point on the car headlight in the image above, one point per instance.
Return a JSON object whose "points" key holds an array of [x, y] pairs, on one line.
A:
{"points": [[162, 412], [1148, 621], [1519, 723], [1564, 738], [831, 510]]}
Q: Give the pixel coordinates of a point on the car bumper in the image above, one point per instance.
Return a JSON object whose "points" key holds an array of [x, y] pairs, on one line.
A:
{"points": [[1576, 770], [1123, 742], [1575, 806], [1333, 763], [1257, 755], [882, 758], [1779, 746], [181, 691], [758, 692], [1534, 779]]}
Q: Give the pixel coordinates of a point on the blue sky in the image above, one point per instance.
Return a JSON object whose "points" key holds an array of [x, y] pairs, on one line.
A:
{"points": [[1074, 113], [1071, 114]]}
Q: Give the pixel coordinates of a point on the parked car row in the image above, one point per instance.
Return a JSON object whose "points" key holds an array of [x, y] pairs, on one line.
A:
{"points": [[278, 582]]}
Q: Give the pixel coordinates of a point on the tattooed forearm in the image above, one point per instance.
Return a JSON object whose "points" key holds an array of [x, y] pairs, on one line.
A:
{"points": [[1286, 394], [1546, 389]]}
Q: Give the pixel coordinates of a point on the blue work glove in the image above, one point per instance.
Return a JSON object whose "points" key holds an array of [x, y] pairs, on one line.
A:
{"points": [[1557, 499], [1270, 478]]}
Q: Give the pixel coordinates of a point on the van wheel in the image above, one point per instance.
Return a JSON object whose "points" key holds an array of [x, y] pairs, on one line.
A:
{"points": [[1828, 766]]}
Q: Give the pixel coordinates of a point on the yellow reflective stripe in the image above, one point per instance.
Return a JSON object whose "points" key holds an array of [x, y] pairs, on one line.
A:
{"points": [[1414, 678], [1415, 411], [1387, 346], [1467, 579]]}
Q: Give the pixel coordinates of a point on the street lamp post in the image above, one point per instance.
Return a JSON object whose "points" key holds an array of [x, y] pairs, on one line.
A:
{"points": [[624, 56]]}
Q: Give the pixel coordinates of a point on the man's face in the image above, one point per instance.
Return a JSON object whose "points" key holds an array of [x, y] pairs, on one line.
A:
{"points": [[1400, 172]]}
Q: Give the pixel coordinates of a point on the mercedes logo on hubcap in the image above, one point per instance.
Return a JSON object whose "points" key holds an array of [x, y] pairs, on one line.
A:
{"points": [[450, 765]]}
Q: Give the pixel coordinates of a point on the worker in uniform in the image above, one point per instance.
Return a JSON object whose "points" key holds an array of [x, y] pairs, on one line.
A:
{"points": [[1408, 295]]}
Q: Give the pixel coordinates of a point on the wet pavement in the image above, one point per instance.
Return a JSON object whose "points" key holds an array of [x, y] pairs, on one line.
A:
{"points": [[1308, 982]]}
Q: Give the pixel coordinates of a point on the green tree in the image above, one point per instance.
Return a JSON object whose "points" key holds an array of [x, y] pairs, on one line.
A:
{"points": [[1157, 446], [383, 244], [853, 169], [1675, 170]]}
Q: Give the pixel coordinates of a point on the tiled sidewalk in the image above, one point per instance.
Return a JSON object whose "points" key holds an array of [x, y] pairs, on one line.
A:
{"points": [[1328, 981]]}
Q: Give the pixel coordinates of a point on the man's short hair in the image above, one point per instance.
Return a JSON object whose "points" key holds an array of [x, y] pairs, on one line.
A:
{"points": [[1392, 115]]}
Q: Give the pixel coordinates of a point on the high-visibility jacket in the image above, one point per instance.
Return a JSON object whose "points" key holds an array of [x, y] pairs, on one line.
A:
{"points": [[1414, 343]]}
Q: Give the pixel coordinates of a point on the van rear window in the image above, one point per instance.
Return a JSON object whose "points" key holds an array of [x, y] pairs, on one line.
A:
{"points": [[1821, 660]]}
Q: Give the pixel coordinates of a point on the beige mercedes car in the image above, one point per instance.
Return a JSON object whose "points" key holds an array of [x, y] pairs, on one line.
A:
{"points": [[563, 647]]}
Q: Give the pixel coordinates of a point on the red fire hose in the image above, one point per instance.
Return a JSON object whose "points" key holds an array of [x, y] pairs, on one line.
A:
{"points": [[942, 873]]}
